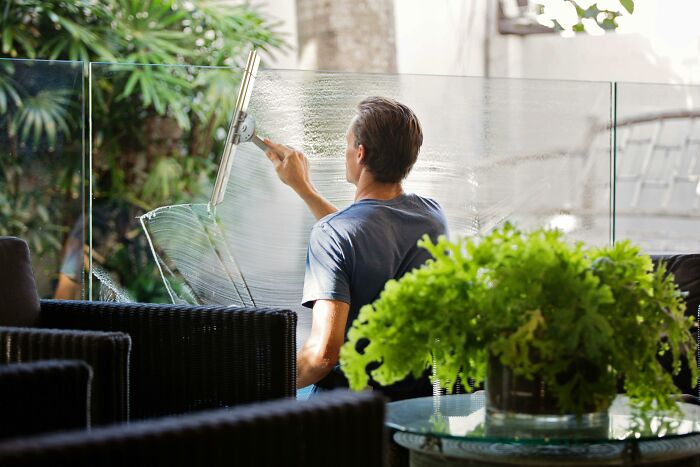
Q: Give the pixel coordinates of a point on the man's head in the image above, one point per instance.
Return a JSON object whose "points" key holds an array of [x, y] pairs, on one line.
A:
{"points": [[384, 138]]}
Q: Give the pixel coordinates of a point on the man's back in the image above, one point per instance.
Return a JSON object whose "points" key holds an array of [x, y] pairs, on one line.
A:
{"points": [[354, 252]]}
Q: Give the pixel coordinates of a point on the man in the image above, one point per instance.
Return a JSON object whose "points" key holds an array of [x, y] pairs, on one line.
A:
{"points": [[354, 251]]}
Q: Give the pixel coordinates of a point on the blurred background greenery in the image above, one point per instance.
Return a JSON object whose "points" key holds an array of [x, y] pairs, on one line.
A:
{"points": [[156, 130]]}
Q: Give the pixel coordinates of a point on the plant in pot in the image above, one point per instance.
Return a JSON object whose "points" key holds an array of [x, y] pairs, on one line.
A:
{"points": [[551, 327]]}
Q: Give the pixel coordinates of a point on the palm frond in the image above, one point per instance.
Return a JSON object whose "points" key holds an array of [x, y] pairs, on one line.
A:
{"points": [[43, 115], [8, 93]]}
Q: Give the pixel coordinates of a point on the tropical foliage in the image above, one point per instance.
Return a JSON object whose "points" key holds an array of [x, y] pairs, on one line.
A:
{"points": [[545, 308], [154, 127]]}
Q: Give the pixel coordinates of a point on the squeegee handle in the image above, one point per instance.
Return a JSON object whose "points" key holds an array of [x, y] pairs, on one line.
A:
{"points": [[255, 139]]}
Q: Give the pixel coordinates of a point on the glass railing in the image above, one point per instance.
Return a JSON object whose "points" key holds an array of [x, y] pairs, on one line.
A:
{"points": [[42, 171], [535, 152], [494, 151], [155, 136]]}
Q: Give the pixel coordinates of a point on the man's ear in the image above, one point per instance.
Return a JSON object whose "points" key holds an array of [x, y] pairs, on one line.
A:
{"points": [[361, 154]]}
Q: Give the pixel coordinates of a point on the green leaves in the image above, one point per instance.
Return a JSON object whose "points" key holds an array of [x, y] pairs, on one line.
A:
{"points": [[44, 114], [154, 126], [604, 15], [578, 317], [175, 32], [8, 89], [628, 5], [163, 180]]}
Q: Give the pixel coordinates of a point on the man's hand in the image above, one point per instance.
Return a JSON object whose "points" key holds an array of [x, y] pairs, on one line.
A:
{"points": [[293, 169], [292, 166]]}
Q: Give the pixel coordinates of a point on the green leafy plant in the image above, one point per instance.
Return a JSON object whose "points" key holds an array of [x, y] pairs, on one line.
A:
{"points": [[541, 306], [154, 127]]}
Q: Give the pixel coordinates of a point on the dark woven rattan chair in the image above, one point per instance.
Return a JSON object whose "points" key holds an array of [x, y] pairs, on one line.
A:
{"points": [[186, 358], [107, 353], [22, 341], [338, 429], [44, 396]]}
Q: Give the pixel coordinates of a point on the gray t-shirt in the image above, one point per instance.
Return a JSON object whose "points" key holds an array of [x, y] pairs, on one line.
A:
{"points": [[353, 252]]}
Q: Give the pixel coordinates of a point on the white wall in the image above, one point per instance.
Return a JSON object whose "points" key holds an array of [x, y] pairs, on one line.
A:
{"points": [[660, 42], [446, 38], [284, 12]]}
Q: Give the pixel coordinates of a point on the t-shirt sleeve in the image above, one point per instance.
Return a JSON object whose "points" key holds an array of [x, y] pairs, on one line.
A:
{"points": [[327, 266]]}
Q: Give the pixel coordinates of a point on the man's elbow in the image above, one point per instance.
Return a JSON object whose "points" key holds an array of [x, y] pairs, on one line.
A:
{"points": [[325, 360]]}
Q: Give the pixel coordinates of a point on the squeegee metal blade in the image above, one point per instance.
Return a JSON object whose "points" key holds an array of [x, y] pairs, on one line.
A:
{"points": [[239, 114]]}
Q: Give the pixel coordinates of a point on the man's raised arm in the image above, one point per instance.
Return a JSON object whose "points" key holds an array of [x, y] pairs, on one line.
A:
{"points": [[293, 169]]}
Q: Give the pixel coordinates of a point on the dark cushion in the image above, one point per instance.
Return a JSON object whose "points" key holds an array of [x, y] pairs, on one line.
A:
{"points": [[19, 302], [686, 271]]}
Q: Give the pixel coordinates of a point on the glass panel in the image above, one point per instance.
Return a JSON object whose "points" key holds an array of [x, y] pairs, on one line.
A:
{"points": [[494, 150], [532, 152], [658, 167], [156, 135], [41, 169]]}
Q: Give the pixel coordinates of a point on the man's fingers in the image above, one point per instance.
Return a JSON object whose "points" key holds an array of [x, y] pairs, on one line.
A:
{"points": [[278, 148], [274, 158]]}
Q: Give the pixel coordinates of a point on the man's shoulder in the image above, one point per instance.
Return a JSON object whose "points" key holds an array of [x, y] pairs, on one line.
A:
{"points": [[348, 219], [429, 208], [335, 218], [337, 224], [426, 201], [352, 217]]}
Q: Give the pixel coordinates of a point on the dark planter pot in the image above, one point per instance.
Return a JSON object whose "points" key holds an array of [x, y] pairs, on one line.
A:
{"points": [[515, 404]]}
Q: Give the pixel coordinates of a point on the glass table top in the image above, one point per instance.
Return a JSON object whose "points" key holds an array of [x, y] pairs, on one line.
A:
{"points": [[464, 417]]}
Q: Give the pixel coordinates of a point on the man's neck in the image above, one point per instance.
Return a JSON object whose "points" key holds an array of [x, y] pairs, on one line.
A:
{"points": [[368, 188]]}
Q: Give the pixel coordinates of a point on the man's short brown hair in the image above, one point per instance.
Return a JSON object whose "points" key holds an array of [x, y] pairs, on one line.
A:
{"points": [[391, 135]]}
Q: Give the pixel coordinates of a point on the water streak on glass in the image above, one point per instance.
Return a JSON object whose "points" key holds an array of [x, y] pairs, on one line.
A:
{"points": [[107, 290]]}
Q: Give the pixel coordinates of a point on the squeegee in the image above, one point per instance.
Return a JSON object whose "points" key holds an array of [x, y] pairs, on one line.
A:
{"points": [[241, 130]]}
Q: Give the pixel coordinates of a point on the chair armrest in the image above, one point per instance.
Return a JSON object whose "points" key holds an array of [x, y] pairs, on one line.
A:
{"points": [[42, 396], [188, 358], [339, 429], [107, 353]]}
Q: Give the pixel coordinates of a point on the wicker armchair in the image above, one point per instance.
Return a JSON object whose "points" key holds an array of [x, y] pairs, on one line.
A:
{"points": [[186, 358], [182, 358], [107, 353], [44, 396], [339, 429]]}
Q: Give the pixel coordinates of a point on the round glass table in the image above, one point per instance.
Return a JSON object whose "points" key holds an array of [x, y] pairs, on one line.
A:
{"points": [[455, 430]]}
